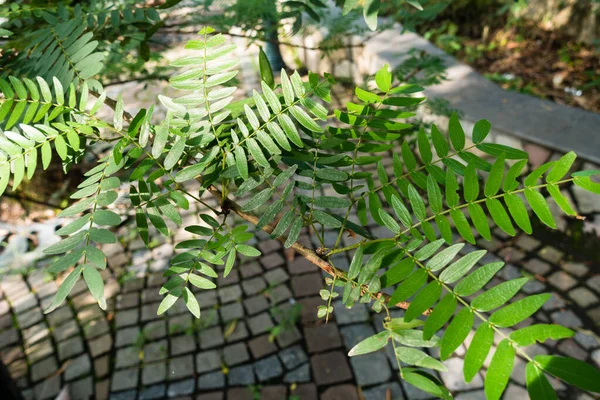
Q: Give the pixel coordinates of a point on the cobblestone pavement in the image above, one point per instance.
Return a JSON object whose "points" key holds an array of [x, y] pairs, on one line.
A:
{"points": [[259, 334]]}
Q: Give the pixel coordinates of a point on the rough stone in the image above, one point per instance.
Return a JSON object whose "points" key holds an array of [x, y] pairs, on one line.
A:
{"points": [[251, 269], [182, 344], [155, 330], [207, 361], [231, 311], [279, 293], [300, 265], [381, 392], [70, 348], [127, 357], [126, 317], [210, 337], [353, 334], [330, 368], [48, 388], [261, 346], [229, 293], [181, 388], [213, 380], [340, 392], [156, 351], [241, 376], [240, 332], [29, 317], [537, 266], [300, 374], [260, 323], [307, 285], [344, 316], [101, 366], [293, 356], [268, 368], [95, 328], [254, 285], [154, 373], [77, 367], [127, 336], [235, 354], [43, 369], [124, 379], [562, 280], [371, 370], [150, 311], [583, 297], [453, 378], [575, 268], [153, 392], [566, 318], [571, 349], [322, 337], [272, 260], [65, 331], [82, 388], [288, 336], [276, 276], [180, 367], [256, 304], [551, 254]]}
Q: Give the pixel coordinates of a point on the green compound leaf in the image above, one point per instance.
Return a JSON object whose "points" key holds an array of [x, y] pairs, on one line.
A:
{"points": [[538, 386], [456, 333], [370, 344], [478, 351], [439, 316], [499, 371], [458, 269], [540, 333], [423, 301], [418, 358], [477, 279], [519, 310], [498, 295], [572, 371], [426, 382]]}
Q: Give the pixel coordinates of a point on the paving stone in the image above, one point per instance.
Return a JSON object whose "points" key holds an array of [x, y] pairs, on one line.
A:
{"points": [[273, 392], [39, 350], [235, 354], [230, 293], [272, 260], [594, 283], [153, 392], [554, 302], [180, 367], [300, 265], [210, 317], [562, 280], [474, 395], [249, 270], [241, 376], [181, 388], [322, 337], [127, 357], [69, 348], [82, 388], [8, 337], [575, 268], [232, 311], [154, 373], [126, 317], [95, 328], [537, 266], [385, 391], [279, 293], [207, 298], [34, 334], [330, 368], [9, 354], [527, 242], [453, 378], [151, 295], [342, 392], [269, 246], [127, 336], [43, 369], [24, 303], [261, 346], [268, 368], [211, 337], [155, 330], [124, 379], [232, 393], [260, 323], [307, 285], [179, 323], [309, 309], [288, 336], [101, 366], [256, 304], [240, 332], [354, 334], [254, 285], [48, 388], [182, 344], [233, 277], [533, 286], [276, 276], [371, 370], [551, 254], [213, 380], [78, 367], [207, 361], [150, 311], [571, 349], [583, 297], [156, 351], [594, 314], [344, 316], [29, 318], [510, 254], [587, 340], [300, 374], [129, 394], [587, 202]]}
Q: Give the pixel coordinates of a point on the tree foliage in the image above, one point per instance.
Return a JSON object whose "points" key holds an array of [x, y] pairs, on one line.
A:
{"points": [[273, 153]]}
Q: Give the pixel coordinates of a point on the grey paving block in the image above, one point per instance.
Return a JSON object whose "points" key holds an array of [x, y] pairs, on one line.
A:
{"points": [[268, 368]]}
